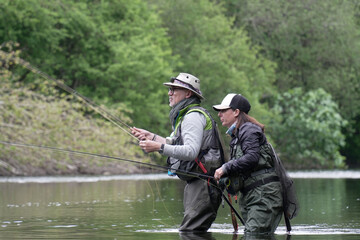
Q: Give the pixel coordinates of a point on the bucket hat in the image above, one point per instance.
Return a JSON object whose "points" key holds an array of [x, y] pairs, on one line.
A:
{"points": [[187, 81]]}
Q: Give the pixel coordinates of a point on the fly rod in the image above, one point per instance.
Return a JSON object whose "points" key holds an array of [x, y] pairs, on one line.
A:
{"points": [[111, 117], [105, 156], [194, 174]]}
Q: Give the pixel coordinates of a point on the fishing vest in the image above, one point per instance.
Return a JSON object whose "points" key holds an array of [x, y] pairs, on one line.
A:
{"points": [[239, 182], [211, 154]]}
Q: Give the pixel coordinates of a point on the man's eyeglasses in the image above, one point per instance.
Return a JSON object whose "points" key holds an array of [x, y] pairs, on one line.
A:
{"points": [[172, 89]]}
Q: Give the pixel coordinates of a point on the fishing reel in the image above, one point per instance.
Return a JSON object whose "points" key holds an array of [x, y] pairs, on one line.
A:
{"points": [[233, 185]]}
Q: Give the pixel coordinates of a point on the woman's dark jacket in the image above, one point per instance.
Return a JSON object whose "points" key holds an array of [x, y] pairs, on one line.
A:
{"points": [[249, 137]]}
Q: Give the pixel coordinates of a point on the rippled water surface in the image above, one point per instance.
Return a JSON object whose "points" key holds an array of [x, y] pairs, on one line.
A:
{"points": [[140, 207]]}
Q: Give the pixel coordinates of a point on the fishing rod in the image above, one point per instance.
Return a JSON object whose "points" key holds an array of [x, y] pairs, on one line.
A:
{"points": [[112, 118], [233, 209], [194, 174], [103, 112], [107, 157]]}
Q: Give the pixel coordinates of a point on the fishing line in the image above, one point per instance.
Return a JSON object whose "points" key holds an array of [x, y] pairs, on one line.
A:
{"points": [[111, 117], [150, 165], [166, 209], [200, 176]]}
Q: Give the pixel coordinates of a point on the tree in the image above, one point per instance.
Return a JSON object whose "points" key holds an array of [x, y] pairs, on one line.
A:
{"points": [[110, 51], [309, 133], [218, 54], [315, 45]]}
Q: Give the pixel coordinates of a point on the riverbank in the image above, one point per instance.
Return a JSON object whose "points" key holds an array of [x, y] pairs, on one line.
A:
{"points": [[37, 122], [77, 167]]}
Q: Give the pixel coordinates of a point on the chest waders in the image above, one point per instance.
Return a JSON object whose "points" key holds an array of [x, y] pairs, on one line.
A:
{"points": [[269, 169], [210, 158], [201, 200]]}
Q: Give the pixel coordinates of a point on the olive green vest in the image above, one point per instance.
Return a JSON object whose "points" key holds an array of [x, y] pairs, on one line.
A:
{"points": [[237, 182], [211, 154]]}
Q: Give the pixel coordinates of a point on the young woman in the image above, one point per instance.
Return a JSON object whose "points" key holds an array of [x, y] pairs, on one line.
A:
{"points": [[261, 199]]}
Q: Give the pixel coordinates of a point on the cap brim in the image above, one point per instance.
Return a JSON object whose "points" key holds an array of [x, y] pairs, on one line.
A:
{"points": [[182, 86], [220, 107]]}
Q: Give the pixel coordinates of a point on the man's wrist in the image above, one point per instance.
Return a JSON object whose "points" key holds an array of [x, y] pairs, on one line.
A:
{"points": [[154, 137], [162, 148]]}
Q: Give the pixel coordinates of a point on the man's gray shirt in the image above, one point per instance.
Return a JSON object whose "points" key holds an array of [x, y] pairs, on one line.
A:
{"points": [[192, 131]]}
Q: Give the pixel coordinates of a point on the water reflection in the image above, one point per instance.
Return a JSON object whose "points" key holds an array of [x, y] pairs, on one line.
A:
{"points": [[196, 236], [209, 236], [140, 207]]}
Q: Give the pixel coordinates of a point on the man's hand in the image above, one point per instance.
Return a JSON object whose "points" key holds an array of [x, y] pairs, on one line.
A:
{"points": [[142, 134], [150, 146]]}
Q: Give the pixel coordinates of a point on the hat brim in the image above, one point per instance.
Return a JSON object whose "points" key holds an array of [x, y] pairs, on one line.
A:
{"points": [[220, 107], [182, 86]]}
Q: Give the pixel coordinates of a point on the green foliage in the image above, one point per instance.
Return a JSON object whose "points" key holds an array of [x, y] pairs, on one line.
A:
{"points": [[110, 51], [352, 148], [309, 133], [47, 118], [118, 53], [314, 43], [218, 54]]}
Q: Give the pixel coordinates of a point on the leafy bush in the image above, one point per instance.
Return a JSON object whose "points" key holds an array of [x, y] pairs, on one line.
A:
{"points": [[309, 133]]}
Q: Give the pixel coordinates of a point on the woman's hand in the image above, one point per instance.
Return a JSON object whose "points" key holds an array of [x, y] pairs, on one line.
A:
{"points": [[218, 173]]}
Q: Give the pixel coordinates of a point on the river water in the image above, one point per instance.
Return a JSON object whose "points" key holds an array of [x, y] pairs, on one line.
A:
{"points": [[138, 207]]}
